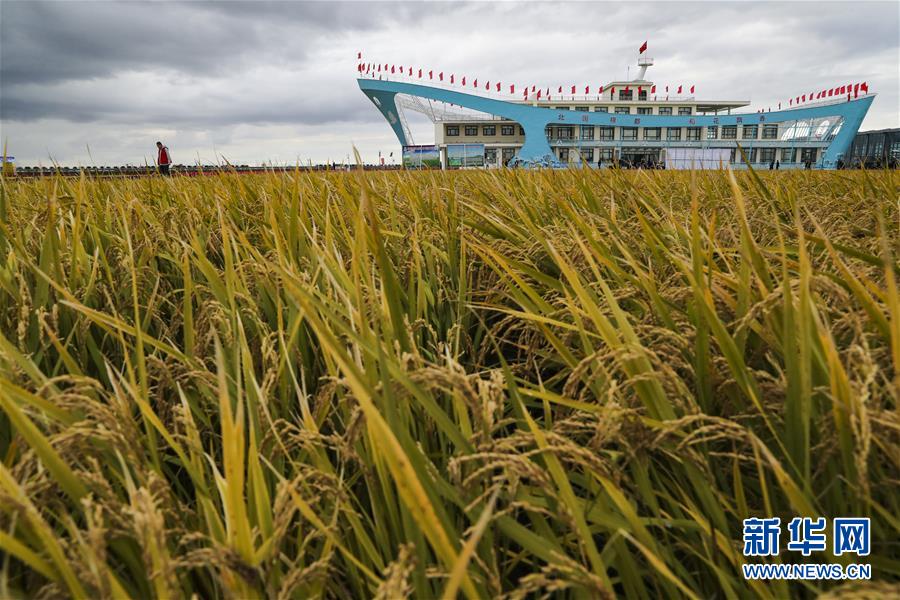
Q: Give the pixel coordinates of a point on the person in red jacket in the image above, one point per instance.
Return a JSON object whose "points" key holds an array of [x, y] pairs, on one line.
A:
{"points": [[163, 159]]}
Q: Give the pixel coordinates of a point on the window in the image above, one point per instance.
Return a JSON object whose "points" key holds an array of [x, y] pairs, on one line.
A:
{"points": [[693, 134], [521, 130], [651, 134], [770, 132], [642, 95], [606, 133], [629, 133], [712, 132], [750, 132], [587, 154], [751, 156], [623, 110], [581, 108], [489, 130], [507, 130], [665, 110], [878, 148], [564, 133], [807, 155], [684, 110], [587, 132], [767, 155], [733, 157], [788, 155], [452, 130], [563, 154], [508, 154], [623, 95], [603, 109], [471, 129], [729, 132], [644, 110], [490, 156], [605, 153], [894, 150], [673, 133]]}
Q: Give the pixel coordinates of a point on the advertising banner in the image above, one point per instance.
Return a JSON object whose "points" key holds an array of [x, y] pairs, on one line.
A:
{"points": [[419, 157], [465, 155]]}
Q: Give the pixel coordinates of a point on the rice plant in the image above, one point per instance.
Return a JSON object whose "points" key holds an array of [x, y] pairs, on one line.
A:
{"points": [[503, 384]]}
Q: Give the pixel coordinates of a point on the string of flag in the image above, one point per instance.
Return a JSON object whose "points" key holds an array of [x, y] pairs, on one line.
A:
{"points": [[848, 92], [527, 92]]}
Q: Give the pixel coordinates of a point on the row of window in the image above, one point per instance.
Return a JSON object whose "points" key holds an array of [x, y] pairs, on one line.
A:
{"points": [[756, 155], [728, 132], [692, 134], [626, 110], [486, 130]]}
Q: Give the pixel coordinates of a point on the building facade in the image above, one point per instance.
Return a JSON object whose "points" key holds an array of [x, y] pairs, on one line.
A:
{"points": [[627, 124], [875, 149]]}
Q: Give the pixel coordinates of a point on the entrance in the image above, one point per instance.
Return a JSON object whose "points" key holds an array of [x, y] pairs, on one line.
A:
{"points": [[647, 158]]}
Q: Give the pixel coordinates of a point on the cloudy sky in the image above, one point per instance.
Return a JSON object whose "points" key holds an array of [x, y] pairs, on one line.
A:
{"points": [[99, 82]]}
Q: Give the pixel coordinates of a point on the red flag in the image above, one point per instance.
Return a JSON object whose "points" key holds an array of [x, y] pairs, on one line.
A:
{"points": [[420, 73], [464, 80], [587, 90], [855, 90], [692, 89], [612, 90], [392, 68], [804, 97], [539, 95], [532, 89], [498, 86], [559, 90], [358, 55], [379, 68], [626, 88], [652, 89], [601, 90], [573, 90], [831, 92], [864, 87], [643, 48], [667, 89], [512, 89], [790, 102], [451, 78], [679, 89], [779, 106], [441, 76], [475, 84]]}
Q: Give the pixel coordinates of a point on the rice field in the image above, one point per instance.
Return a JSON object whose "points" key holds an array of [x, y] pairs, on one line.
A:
{"points": [[501, 384]]}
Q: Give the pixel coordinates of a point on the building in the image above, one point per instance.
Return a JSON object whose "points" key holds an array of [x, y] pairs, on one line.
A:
{"points": [[874, 149], [630, 123]]}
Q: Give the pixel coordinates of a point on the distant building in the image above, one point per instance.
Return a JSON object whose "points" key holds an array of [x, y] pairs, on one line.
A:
{"points": [[874, 149], [630, 123]]}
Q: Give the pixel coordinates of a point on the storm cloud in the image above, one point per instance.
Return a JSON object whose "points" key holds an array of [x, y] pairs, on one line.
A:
{"points": [[99, 82]]}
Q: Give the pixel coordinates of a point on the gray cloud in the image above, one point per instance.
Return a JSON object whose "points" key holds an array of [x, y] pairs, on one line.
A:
{"points": [[275, 79]]}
